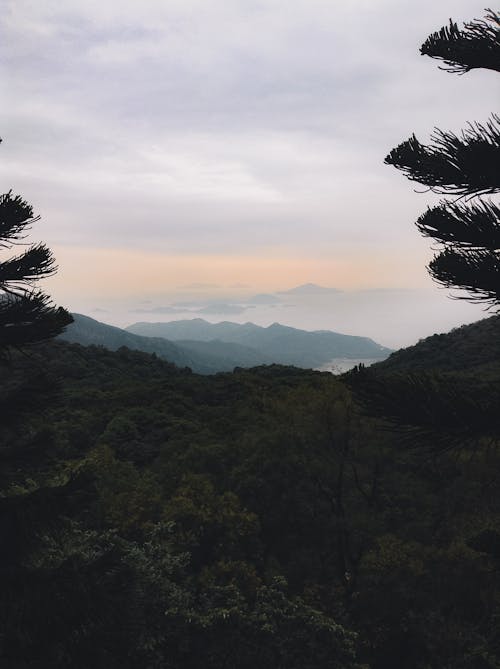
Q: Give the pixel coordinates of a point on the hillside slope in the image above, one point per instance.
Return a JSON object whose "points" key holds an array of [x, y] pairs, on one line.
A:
{"points": [[445, 390], [475, 346], [87, 331], [202, 358], [279, 343], [243, 471]]}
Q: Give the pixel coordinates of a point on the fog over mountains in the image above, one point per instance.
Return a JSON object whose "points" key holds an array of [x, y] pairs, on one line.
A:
{"points": [[393, 317], [208, 348]]}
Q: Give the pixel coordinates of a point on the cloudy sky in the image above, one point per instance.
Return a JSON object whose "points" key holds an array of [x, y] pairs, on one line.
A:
{"points": [[204, 151]]}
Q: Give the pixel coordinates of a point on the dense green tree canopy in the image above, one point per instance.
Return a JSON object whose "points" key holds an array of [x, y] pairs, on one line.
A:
{"points": [[257, 518]]}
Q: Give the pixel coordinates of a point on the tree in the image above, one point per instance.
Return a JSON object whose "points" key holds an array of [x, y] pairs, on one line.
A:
{"points": [[466, 165], [27, 316], [33, 494], [434, 407], [26, 313]]}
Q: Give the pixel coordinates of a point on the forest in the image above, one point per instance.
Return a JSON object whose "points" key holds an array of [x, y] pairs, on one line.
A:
{"points": [[255, 517], [273, 517]]}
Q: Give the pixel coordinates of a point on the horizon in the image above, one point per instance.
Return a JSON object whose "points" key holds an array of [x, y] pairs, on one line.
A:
{"points": [[183, 153], [344, 312]]}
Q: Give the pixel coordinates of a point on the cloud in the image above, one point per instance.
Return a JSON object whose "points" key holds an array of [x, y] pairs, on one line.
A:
{"points": [[158, 310], [309, 289], [195, 307], [264, 298], [199, 286], [194, 142], [224, 309]]}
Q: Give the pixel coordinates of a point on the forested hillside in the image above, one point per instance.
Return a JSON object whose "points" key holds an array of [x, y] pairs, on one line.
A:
{"points": [[443, 392], [236, 520], [209, 348], [201, 357], [469, 347], [277, 343]]}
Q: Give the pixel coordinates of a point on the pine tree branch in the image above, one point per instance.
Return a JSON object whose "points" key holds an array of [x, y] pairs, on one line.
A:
{"points": [[16, 217], [473, 270], [435, 411], [29, 318], [35, 263], [475, 225], [466, 164], [476, 46]]}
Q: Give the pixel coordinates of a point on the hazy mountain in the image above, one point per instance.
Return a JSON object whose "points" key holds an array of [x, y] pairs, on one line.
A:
{"points": [[278, 343], [263, 298], [196, 329], [87, 331], [207, 348], [222, 309], [201, 357], [224, 355]]}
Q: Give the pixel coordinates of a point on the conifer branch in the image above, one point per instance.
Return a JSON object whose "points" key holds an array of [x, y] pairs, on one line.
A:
{"points": [[440, 410], [28, 318], [476, 45], [474, 270], [35, 263], [475, 225], [465, 164], [16, 217]]}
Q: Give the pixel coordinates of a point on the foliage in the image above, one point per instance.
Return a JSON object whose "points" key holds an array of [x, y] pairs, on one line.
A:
{"points": [[467, 165], [26, 313], [442, 409], [210, 348], [245, 519], [154, 518], [473, 348], [446, 410], [477, 45]]}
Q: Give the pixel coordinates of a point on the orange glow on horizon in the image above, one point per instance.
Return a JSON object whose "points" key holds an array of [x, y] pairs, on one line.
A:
{"points": [[109, 273]]}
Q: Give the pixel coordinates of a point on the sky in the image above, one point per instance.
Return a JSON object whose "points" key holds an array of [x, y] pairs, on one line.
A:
{"points": [[187, 157]]}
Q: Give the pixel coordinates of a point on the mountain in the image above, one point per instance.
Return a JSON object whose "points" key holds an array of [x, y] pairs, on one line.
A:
{"points": [[203, 358], [445, 390], [469, 347], [309, 289], [224, 355], [207, 348], [263, 298], [279, 343], [196, 329], [87, 331]]}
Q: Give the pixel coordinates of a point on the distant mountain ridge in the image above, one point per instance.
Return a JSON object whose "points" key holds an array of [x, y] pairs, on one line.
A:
{"points": [[201, 359], [309, 289], [88, 331], [278, 343], [209, 348]]}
